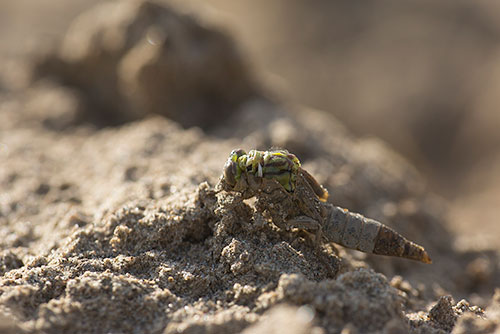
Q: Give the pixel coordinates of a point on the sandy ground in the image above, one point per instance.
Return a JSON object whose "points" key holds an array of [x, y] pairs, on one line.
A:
{"points": [[112, 142]]}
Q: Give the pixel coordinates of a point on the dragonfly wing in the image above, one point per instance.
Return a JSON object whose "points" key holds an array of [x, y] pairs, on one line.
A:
{"points": [[318, 189]]}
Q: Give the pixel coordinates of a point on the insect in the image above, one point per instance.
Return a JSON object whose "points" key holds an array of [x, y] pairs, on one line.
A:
{"points": [[292, 198]]}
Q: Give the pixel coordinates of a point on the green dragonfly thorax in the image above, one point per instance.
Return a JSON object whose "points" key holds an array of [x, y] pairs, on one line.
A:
{"points": [[279, 165]]}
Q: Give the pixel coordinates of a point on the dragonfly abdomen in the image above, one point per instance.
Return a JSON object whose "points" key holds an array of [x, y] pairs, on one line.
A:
{"points": [[353, 230]]}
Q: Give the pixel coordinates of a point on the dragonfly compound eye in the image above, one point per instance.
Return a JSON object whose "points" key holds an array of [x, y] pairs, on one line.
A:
{"points": [[230, 170]]}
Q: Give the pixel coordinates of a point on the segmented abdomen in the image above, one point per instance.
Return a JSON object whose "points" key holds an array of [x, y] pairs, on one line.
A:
{"points": [[355, 231], [351, 230]]}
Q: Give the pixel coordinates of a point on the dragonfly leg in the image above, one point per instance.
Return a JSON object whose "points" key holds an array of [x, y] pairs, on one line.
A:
{"points": [[313, 227], [304, 223]]}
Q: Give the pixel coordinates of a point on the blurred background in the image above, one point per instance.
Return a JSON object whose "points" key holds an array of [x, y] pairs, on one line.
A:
{"points": [[424, 76]]}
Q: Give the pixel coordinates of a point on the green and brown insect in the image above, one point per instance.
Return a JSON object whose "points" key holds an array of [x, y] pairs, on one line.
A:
{"points": [[292, 198]]}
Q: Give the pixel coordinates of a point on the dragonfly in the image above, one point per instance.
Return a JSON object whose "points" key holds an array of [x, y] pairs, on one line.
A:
{"points": [[292, 198]]}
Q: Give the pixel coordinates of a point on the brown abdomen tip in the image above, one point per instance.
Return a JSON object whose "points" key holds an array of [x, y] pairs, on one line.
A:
{"points": [[390, 242], [426, 258]]}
